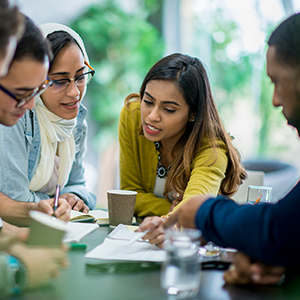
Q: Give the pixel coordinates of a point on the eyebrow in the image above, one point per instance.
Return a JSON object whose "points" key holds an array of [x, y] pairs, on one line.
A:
{"points": [[164, 102], [66, 73]]}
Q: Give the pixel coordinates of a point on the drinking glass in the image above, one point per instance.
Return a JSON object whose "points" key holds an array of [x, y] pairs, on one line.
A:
{"points": [[258, 194], [180, 274]]}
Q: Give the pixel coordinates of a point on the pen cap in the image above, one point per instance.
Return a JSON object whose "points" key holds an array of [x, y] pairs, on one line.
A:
{"points": [[45, 230]]}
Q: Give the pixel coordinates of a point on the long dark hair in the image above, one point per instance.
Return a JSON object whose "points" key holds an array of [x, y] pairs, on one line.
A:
{"points": [[191, 79]]}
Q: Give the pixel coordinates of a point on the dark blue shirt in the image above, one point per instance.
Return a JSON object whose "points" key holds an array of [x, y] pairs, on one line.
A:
{"points": [[266, 232]]}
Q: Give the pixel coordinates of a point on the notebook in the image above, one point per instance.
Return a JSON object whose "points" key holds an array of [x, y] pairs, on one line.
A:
{"points": [[94, 216]]}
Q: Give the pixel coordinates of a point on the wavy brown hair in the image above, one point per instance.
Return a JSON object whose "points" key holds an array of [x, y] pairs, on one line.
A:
{"points": [[190, 77]]}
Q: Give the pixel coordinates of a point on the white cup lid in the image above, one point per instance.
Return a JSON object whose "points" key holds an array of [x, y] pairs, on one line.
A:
{"points": [[48, 220], [122, 192]]}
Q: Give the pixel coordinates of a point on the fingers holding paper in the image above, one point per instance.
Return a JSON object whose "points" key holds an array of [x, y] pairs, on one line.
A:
{"points": [[62, 212], [156, 231], [75, 202]]}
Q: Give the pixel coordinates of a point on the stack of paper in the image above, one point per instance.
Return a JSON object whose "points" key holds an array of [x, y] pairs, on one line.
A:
{"points": [[116, 247]]}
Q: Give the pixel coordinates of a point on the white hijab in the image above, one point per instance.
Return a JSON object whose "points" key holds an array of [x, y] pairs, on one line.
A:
{"points": [[55, 131]]}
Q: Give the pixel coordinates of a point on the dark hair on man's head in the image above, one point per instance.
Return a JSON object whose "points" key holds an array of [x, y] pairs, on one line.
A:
{"points": [[10, 25], [286, 40], [32, 44], [59, 40]]}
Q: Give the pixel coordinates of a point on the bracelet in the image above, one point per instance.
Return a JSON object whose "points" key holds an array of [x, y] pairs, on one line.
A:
{"points": [[16, 274]]}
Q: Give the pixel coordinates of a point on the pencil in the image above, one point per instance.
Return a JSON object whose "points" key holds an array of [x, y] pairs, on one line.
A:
{"points": [[257, 200], [56, 198]]}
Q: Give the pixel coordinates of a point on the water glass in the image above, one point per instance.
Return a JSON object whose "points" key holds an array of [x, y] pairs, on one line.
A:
{"points": [[259, 194], [180, 274]]}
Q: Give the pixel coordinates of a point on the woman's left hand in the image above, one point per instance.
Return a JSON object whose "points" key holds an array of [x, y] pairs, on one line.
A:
{"points": [[75, 202], [177, 199]]}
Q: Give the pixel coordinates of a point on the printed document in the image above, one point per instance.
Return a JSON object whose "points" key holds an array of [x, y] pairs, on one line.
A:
{"points": [[115, 247]]}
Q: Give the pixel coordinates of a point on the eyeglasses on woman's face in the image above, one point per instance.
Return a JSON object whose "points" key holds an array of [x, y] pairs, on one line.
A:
{"points": [[60, 85], [28, 95]]}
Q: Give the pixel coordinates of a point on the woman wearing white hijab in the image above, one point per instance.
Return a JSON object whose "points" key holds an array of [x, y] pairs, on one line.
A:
{"points": [[48, 144]]}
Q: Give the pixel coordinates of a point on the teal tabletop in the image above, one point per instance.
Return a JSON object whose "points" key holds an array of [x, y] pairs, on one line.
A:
{"points": [[87, 279]]}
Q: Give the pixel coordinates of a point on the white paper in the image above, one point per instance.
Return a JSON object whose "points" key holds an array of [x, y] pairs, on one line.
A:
{"points": [[113, 249], [76, 231], [121, 232], [116, 247]]}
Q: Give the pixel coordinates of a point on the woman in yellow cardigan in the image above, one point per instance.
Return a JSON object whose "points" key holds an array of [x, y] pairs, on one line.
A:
{"points": [[172, 142]]}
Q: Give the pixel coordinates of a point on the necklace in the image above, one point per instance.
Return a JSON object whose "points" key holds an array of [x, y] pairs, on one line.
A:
{"points": [[161, 170]]}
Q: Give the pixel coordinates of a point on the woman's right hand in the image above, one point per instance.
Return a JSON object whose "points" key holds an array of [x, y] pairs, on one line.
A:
{"points": [[156, 233]]}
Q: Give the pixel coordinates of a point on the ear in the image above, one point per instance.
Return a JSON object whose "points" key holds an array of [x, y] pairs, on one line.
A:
{"points": [[192, 118]]}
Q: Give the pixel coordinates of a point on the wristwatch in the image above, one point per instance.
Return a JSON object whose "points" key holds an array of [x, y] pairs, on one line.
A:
{"points": [[16, 274], [1, 224]]}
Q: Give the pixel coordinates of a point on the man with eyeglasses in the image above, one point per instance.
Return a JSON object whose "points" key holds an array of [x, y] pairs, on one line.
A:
{"points": [[21, 266], [25, 79]]}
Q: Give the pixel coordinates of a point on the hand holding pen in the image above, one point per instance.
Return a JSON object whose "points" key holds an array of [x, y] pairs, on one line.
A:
{"points": [[56, 198]]}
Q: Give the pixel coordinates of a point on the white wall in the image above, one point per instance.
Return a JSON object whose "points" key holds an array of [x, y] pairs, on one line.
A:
{"points": [[61, 11]]}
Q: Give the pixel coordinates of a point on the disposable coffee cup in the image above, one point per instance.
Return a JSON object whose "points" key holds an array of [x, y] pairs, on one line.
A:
{"points": [[46, 230], [121, 205]]}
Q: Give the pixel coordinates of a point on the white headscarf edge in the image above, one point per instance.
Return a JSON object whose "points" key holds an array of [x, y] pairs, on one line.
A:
{"points": [[48, 28]]}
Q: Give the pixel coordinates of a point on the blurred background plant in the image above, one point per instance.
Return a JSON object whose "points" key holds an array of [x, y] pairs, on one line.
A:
{"points": [[122, 46]]}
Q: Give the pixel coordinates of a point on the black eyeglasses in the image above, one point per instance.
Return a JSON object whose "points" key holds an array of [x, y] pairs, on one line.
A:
{"points": [[34, 93], [61, 85]]}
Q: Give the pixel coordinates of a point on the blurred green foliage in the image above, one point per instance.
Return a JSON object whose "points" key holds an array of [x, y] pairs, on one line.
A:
{"points": [[240, 77], [122, 46]]}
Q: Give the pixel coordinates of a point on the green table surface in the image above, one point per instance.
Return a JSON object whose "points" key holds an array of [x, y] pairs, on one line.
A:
{"points": [[133, 280]]}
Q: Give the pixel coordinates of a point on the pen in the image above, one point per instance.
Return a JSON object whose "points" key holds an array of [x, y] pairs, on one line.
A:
{"points": [[56, 197], [138, 235]]}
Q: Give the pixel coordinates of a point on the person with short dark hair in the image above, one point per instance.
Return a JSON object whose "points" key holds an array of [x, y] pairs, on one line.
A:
{"points": [[26, 79], [20, 265]]}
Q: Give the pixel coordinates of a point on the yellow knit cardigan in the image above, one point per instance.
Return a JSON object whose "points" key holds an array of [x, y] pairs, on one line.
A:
{"points": [[138, 163]]}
